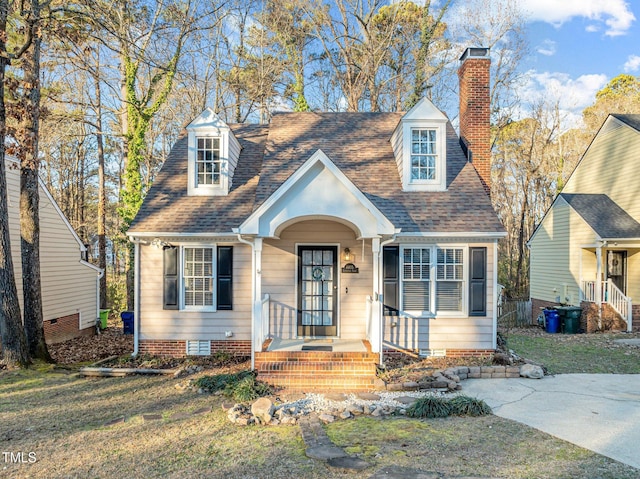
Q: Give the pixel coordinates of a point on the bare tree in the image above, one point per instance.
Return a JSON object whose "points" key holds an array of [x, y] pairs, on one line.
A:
{"points": [[14, 344]]}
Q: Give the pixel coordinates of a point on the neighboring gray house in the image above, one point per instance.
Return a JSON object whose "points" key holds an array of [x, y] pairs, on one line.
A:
{"points": [[323, 237]]}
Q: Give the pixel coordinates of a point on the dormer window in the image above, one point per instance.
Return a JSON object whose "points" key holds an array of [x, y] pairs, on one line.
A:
{"points": [[423, 154], [208, 162], [213, 153], [419, 144]]}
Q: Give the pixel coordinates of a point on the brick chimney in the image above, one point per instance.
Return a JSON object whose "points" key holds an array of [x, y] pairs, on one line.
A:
{"points": [[475, 111]]}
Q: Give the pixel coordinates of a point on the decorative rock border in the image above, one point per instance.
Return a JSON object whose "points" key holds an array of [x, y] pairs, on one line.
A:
{"points": [[395, 400], [449, 379]]}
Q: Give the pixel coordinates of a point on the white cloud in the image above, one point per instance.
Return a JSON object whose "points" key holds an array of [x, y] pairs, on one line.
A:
{"points": [[571, 95], [547, 48], [632, 64], [616, 14]]}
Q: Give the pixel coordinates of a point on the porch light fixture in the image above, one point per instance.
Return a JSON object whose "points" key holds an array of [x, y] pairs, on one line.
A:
{"points": [[346, 255]]}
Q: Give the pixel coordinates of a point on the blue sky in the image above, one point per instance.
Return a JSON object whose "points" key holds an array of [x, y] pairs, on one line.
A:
{"points": [[577, 46]]}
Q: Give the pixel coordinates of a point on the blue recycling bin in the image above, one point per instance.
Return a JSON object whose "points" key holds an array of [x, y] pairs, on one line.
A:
{"points": [[127, 322], [552, 319]]}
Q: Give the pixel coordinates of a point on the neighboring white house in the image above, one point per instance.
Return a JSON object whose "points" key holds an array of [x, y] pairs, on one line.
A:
{"points": [[587, 246], [70, 285], [339, 233]]}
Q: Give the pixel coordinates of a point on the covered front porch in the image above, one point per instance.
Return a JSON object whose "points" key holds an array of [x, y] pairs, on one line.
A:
{"points": [[609, 275]]}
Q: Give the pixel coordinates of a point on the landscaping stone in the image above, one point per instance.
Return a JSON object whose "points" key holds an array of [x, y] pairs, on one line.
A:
{"points": [[263, 409], [410, 386], [326, 418], [408, 400], [349, 463], [337, 397], [397, 472], [368, 396], [531, 371], [117, 420], [202, 410], [395, 387], [345, 415], [151, 417]]}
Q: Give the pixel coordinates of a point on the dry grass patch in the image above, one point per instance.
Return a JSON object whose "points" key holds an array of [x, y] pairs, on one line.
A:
{"points": [[576, 353], [61, 418]]}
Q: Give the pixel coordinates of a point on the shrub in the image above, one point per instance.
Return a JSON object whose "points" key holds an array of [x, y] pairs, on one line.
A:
{"points": [[249, 389], [468, 406], [240, 386], [430, 407]]}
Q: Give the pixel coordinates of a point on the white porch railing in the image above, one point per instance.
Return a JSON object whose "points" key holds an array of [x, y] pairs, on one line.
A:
{"points": [[265, 316], [610, 294], [369, 317]]}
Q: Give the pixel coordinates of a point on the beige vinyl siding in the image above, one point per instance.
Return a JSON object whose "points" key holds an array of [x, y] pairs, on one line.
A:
{"points": [[396, 144], [633, 275], [68, 286], [610, 166], [158, 323], [279, 270], [475, 332], [557, 254], [233, 155]]}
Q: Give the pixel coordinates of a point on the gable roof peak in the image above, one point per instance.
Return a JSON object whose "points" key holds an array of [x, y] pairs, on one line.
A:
{"points": [[425, 110], [207, 119]]}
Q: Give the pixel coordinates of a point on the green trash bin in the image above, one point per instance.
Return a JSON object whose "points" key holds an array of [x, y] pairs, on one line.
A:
{"points": [[104, 315], [562, 315], [572, 319]]}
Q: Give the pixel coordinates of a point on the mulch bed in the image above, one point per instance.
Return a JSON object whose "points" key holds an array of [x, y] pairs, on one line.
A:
{"points": [[110, 342]]}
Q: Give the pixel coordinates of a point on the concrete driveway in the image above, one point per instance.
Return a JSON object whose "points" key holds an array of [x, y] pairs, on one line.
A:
{"points": [[599, 412]]}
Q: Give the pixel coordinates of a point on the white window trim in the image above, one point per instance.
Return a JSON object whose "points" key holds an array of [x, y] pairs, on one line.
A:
{"points": [[214, 307], [193, 188], [464, 312], [440, 181]]}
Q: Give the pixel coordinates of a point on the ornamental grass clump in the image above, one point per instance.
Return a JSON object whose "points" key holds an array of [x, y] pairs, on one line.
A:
{"points": [[468, 406], [248, 389], [433, 406], [430, 407], [241, 386]]}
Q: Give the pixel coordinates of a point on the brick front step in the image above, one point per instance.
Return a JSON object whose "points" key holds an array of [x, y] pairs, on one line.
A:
{"points": [[315, 370]]}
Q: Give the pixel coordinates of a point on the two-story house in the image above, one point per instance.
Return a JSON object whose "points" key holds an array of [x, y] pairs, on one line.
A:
{"points": [[586, 249], [320, 241]]}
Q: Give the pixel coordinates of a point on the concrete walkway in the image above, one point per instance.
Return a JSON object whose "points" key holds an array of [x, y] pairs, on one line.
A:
{"points": [[599, 412]]}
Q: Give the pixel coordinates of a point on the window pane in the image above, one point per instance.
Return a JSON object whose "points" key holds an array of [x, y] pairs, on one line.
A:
{"points": [[449, 296], [416, 296], [198, 276]]}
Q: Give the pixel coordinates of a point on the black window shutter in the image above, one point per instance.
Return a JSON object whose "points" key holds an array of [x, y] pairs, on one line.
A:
{"points": [[477, 281], [170, 273], [391, 278], [224, 280]]}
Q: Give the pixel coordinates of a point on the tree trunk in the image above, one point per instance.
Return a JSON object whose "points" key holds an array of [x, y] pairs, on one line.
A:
{"points": [[14, 344], [30, 201], [102, 199]]}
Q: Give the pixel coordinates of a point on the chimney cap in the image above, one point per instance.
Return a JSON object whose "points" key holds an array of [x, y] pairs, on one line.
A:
{"points": [[475, 52]]}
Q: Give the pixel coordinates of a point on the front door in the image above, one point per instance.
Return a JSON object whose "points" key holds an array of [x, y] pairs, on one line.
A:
{"points": [[317, 288], [617, 269]]}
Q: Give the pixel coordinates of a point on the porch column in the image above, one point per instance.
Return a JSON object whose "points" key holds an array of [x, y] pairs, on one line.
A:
{"points": [[376, 310], [580, 278], [260, 327]]}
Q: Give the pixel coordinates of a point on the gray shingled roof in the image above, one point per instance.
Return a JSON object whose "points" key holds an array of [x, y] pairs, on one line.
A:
{"points": [[604, 215], [631, 120], [358, 143]]}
